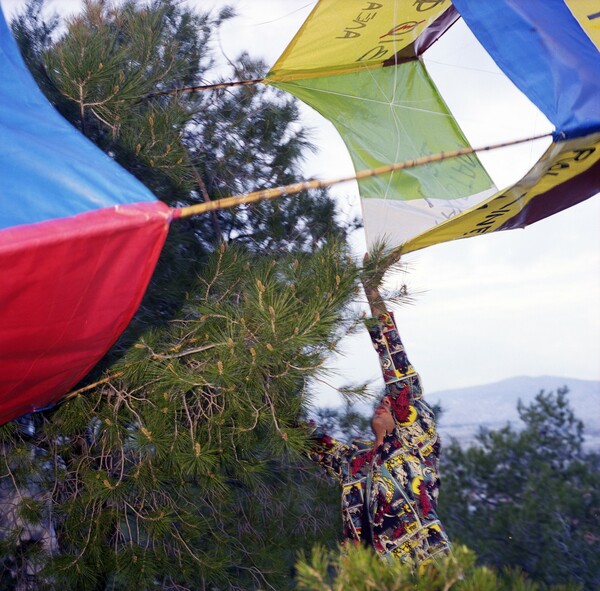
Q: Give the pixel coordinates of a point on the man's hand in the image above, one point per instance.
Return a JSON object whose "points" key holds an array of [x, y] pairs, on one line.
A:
{"points": [[371, 279]]}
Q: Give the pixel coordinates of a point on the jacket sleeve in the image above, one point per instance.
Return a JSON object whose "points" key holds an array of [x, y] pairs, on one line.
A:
{"points": [[330, 454], [402, 383]]}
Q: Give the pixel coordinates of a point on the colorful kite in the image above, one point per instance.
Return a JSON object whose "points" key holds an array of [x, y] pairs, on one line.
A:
{"points": [[358, 64], [79, 236]]}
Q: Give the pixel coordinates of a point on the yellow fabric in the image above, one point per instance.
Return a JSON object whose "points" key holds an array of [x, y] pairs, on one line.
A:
{"points": [[561, 162], [587, 13], [348, 36]]}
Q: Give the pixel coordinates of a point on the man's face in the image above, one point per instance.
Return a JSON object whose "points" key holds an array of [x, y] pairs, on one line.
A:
{"points": [[383, 420]]}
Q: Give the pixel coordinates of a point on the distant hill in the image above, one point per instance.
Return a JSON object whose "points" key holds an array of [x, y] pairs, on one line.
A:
{"points": [[493, 405]]}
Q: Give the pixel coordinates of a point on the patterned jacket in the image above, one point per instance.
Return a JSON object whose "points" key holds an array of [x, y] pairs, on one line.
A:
{"points": [[389, 494]]}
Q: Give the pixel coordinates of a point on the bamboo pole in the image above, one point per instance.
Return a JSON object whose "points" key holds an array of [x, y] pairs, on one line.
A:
{"points": [[274, 193]]}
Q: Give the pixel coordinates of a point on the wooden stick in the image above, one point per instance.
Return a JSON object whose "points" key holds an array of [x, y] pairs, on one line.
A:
{"points": [[227, 202], [202, 88]]}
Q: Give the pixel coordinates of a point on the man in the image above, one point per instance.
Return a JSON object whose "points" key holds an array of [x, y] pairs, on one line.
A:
{"points": [[390, 486]]}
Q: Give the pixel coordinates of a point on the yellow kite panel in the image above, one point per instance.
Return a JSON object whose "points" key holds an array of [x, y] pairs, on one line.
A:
{"points": [[562, 162], [351, 35], [587, 13]]}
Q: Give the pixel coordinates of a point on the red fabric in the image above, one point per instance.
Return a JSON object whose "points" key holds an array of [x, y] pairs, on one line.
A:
{"points": [[360, 460], [69, 288], [424, 499], [401, 406]]}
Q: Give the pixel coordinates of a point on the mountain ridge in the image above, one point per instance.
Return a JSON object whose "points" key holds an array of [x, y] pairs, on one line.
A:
{"points": [[494, 405]]}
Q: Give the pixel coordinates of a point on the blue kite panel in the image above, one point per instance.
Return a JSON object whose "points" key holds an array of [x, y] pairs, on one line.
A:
{"points": [[48, 169], [542, 48]]}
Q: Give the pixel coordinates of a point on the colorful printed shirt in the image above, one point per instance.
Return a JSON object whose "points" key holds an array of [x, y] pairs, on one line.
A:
{"points": [[389, 494]]}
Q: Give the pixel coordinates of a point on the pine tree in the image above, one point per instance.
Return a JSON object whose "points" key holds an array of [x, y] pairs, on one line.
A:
{"points": [[184, 470], [346, 424], [529, 498], [360, 569], [178, 464]]}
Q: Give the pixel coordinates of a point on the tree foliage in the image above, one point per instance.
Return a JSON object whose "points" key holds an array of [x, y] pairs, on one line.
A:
{"points": [[360, 569], [178, 465], [184, 469], [528, 498]]}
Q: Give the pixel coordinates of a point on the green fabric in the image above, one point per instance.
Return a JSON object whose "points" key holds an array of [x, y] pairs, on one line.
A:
{"points": [[388, 115]]}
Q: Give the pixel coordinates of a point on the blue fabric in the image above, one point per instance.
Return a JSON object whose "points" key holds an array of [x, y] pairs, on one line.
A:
{"points": [[48, 169], [542, 48]]}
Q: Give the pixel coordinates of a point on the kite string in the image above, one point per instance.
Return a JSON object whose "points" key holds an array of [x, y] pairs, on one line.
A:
{"points": [[295, 188]]}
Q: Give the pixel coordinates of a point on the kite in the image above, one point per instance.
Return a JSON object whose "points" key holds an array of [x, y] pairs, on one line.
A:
{"points": [[358, 64], [80, 237]]}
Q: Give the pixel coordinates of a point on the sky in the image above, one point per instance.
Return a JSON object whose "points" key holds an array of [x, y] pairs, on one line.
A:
{"points": [[518, 303]]}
